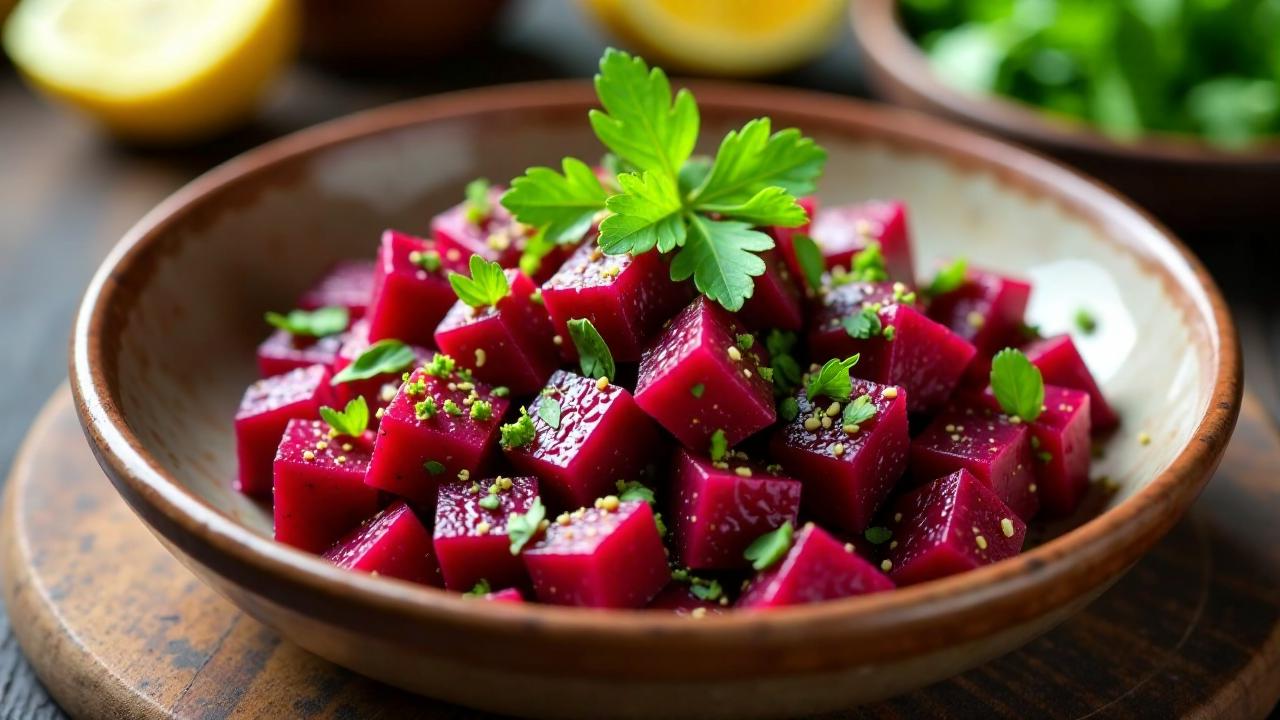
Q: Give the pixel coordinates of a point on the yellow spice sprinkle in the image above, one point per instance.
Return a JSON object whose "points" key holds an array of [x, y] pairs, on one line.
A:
{"points": [[812, 423], [608, 503], [891, 393], [340, 459], [602, 384], [975, 319], [504, 483], [833, 409], [346, 447], [1144, 438], [848, 547], [826, 422], [734, 353], [955, 437], [982, 542], [557, 340], [893, 544], [897, 517], [1032, 487], [484, 527], [851, 429], [743, 471], [886, 565], [481, 356], [562, 519], [698, 613], [1006, 527], [322, 445], [837, 449], [308, 456]]}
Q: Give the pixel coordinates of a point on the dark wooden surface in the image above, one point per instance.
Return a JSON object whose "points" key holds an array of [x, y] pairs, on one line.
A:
{"points": [[66, 195]]}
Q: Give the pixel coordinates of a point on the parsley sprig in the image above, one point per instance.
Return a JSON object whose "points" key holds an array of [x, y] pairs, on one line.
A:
{"points": [[381, 358], [317, 323], [1017, 384], [832, 380], [769, 549], [487, 285], [351, 421]]}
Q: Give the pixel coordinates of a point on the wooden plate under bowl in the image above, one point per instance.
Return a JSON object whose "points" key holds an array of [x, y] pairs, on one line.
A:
{"points": [[163, 348]]}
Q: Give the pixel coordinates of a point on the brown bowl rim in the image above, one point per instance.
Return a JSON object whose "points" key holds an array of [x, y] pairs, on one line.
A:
{"points": [[892, 53], [903, 622]]}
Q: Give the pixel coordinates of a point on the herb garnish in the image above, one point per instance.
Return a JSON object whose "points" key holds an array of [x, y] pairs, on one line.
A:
{"points": [[549, 411], [352, 421], [786, 371], [519, 433], [878, 535], [697, 390], [949, 278], [521, 529], [480, 589], [859, 411], [769, 549], [1017, 384], [478, 206], [1086, 321], [487, 285], [593, 354], [632, 490], [435, 467], [868, 265], [317, 323], [719, 446], [863, 325], [832, 380], [381, 358], [810, 258]]}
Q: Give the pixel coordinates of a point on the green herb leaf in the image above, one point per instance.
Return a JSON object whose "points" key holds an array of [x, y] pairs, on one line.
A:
{"points": [[593, 354], [863, 325], [481, 410], [769, 549], [490, 502], [632, 490], [519, 433], [647, 214], [563, 206], [708, 590], [1017, 384], [832, 380], [878, 535], [1085, 320], [480, 589], [317, 323], [868, 265], [860, 410], [384, 357], [487, 285], [788, 409], [949, 278], [435, 467], [522, 529], [697, 390], [745, 341], [720, 257], [537, 247], [810, 257], [769, 206], [478, 207], [428, 260], [352, 421], [786, 371], [751, 159], [719, 446], [549, 411], [640, 123]]}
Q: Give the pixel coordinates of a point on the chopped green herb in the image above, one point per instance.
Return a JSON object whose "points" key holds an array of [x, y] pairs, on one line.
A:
{"points": [[1044, 456], [478, 206], [810, 258], [549, 411], [832, 380], [452, 408], [522, 529], [889, 332], [632, 490], [490, 502], [766, 372], [788, 409], [518, 433], [1017, 384], [317, 323], [868, 265], [435, 467], [863, 325], [786, 371], [441, 366], [481, 410], [949, 278], [708, 590], [487, 285], [769, 549], [746, 341], [1086, 321], [1030, 332], [662, 527], [860, 410], [381, 358], [428, 260], [426, 409], [719, 446], [593, 354], [352, 421], [480, 589], [878, 535], [501, 391], [697, 390]]}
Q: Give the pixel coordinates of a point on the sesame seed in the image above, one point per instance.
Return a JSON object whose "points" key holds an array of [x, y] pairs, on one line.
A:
{"points": [[976, 319], [897, 517], [698, 613], [848, 547], [833, 409], [812, 423], [602, 384], [484, 527], [1032, 487], [734, 353], [837, 449], [1006, 527], [562, 519], [851, 429], [742, 471], [746, 372], [480, 357], [504, 483], [893, 544], [1144, 438], [955, 437], [308, 456], [346, 447], [890, 393], [557, 340], [826, 422], [982, 542], [608, 503], [886, 565]]}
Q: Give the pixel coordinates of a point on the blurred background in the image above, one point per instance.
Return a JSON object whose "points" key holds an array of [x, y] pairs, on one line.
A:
{"points": [[108, 106]]}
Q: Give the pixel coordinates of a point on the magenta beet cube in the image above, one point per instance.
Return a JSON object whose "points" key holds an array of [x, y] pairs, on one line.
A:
{"points": [[1060, 364], [265, 411], [678, 597], [282, 352], [428, 434], [626, 298], [844, 231], [349, 284], [699, 376], [508, 595], [602, 437], [471, 540], [393, 543], [721, 508], [953, 524], [776, 302], [508, 344], [379, 389], [846, 473], [986, 443], [320, 493], [986, 310], [784, 238], [818, 567], [408, 299], [597, 557]]}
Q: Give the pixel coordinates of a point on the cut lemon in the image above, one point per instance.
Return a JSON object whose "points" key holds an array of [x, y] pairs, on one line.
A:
{"points": [[724, 37], [154, 70]]}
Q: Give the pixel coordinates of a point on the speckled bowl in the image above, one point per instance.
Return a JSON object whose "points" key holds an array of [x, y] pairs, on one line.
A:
{"points": [[163, 347]]}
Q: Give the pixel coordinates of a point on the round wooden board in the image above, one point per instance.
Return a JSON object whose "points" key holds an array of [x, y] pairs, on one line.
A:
{"points": [[116, 627]]}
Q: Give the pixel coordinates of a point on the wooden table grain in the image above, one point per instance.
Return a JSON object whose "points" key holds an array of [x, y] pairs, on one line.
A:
{"points": [[66, 195]]}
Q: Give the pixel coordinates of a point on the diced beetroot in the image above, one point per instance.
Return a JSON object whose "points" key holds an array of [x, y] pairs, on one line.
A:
{"points": [[987, 444], [603, 437], [846, 475], [509, 344], [408, 440], [987, 310], [844, 231], [818, 567], [719, 511], [784, 238], [695, 379], [349, 284], [1060, 364], [776, 302], [393, 543], [953, 524], [509, 595], [596, 557], [379, 389], [923, 356], [408, 301], [678, 597], [282, 352], [627, 299], [265, 410], [496, 238], [320, 493], [471, 541]]}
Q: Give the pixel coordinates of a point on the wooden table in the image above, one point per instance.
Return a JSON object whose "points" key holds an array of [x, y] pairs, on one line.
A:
{"points": [[66, 195]]}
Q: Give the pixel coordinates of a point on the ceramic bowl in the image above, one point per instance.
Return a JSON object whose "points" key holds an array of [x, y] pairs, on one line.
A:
{"points": [[1185, 182], [163, 347]]}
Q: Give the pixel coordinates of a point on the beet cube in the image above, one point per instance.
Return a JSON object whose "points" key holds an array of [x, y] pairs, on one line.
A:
{"points": [[393, 543], [784, 238], [776, 302], [846, 473], [408, 299], [842, 232], [320, 493], [721, 508], [265, 411], [432, 430], [349, 284], [379, 389], [626, 298], [1060, 364], [818, 567], [678, 597], [602, 437], [471, 539], [986, 443], [600, 557], [699, 376], [917, 353], [496, 237], [986, 310], [509, 344], [953, 524], [282, 352], [509, 595]]}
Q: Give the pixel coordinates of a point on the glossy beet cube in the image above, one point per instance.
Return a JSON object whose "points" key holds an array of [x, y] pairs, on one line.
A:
{"points": [[408, 300], [282, 352], [265, 410], [602, 437], [1060, 364], [393, 543], [846, 473], [721, 508], [496, 237], [986, 443], [987, 310], [597, 557], [953, 524], [428, 434], [349, 284], [678, 597], [784, 239], [818, 567], [844, 231], [627, 299], [378, 390], [471, 540], [917, 353], [699, 376], [508, 344], [320, 493], [776, 302]]}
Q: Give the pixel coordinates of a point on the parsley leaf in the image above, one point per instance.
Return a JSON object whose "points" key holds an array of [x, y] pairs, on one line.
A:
{"points": [[949, 278], [788, 409], [435, 467], [317, 323], [381, 358], [751, 159], [863, 325], [1017, 384], [708, 590], [352, 421], [480, 589], [859, 411], [769, 549], [719, 446], [519, 433], [487, 285], [536, 248], [593, 353], [646, 215], [786, 371], [769, 206], [478, 207], [521, 529], [697, 390], [640, 123], [1086, 321], [720, 257], [832, 380], [868, 265], [878, 535], [549, 411], [632, 490], [562, 206], [810, 258]]}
